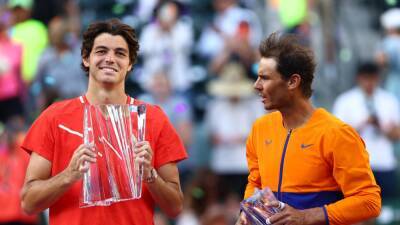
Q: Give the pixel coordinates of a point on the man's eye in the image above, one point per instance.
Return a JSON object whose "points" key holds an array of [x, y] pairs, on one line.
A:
{"points": [[120, 53]]}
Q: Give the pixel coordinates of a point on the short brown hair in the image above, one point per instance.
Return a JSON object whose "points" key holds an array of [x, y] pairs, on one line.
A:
{"points": [[113, 27], [291, 57]]}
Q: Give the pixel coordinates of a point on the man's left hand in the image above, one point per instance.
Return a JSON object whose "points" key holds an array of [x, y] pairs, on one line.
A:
{"points": [[291, 216], [144, 156]]}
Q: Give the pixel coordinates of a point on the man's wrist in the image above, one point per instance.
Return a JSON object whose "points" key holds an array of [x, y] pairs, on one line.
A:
{"points": [[66, 178], [153, 176], [314, 216]]}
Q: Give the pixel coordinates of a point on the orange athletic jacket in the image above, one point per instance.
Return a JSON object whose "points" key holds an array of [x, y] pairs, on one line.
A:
{"points": [[324, 163]]}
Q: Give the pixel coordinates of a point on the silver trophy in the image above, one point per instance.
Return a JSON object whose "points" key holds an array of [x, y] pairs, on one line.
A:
{"points": [[112, 131]]}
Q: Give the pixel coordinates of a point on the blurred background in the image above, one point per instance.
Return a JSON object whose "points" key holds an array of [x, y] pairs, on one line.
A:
{"points": [[198, 60]]}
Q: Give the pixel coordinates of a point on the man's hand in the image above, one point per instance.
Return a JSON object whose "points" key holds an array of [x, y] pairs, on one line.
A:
{"points": [[242, 219], [392, 132], [291, 216], [41, 189], [144, 156], [79, 163]]}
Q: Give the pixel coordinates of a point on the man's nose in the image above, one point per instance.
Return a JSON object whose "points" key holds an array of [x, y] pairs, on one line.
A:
{"points": [[110, 58], [256, 85]]}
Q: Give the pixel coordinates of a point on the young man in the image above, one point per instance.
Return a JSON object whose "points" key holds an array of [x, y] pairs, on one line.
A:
{"points": [[58, 158], [313, 162]]}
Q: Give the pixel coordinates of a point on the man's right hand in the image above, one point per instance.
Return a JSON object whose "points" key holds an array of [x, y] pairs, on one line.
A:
{"points": [[41, 189], [78, 164], [242, 219]]}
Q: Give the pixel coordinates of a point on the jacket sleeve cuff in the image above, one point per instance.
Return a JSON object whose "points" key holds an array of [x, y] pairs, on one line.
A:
{"points": [[326, 215]]}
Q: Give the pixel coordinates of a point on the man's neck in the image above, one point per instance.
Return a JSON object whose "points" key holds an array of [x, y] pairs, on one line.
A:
{"points": [[99, 95], [297, 114]]}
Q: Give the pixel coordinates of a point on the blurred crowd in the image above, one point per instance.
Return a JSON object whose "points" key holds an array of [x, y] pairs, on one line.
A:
{"points": [[198, 61]]}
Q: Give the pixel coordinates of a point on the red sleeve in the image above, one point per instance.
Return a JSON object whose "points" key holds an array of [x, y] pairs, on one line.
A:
{"points": [[40, 137], [168, 146]]}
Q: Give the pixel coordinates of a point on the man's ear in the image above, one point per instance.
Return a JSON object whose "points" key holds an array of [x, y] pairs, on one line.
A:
{"points": [[294, 81], [85, 62], [130, 67]]}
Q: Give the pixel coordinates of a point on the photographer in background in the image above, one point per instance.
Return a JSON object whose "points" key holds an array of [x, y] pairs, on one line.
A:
{"points": [[375, 114]]}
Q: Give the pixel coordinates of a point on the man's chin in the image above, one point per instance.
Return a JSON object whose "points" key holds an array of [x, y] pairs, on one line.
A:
{"points": [[108, 82], [269, 108]]}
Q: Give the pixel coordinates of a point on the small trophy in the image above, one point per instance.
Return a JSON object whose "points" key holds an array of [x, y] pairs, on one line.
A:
{"points": [[256, 207]]}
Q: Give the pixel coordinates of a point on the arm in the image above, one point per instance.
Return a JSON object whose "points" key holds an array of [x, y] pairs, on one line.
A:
{"points": [[254, 179], [391, 127], [40, 190], [353, 174], [392, 131], [166, 190]]}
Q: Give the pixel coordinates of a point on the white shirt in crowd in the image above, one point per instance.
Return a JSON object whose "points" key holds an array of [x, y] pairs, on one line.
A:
{"points": [[167, 51], [352, 108], [230, 122]]}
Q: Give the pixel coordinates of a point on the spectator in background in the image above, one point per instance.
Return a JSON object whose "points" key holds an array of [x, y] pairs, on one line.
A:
{"points": [[166, 44], [72, 16], [58, 65], [294, 17], [13, 164], [145, 9], [229, 119], [30, 33], [11, 85], [375, 113], [178, 110], [234, 33], [388, 54]]}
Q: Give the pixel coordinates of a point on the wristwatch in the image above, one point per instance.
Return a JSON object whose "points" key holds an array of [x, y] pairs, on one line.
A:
{"points": [[153, 176]]}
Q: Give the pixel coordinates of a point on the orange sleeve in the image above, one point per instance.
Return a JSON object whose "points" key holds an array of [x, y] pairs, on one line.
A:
{"points": [[353, 174], [254, 179]]}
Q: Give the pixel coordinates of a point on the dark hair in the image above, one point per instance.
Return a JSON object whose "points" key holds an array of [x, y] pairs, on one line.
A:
{"points": [[113, 27], [368, 68], [291, 58]]}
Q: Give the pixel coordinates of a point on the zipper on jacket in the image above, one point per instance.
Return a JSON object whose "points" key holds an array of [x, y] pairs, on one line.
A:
{"points": [[279, 194]]}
